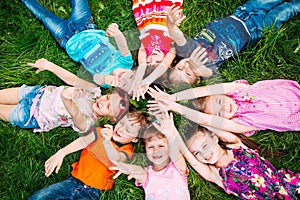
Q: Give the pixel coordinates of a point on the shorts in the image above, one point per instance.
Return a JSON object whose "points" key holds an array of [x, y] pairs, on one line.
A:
{"points": [[20, 114]]}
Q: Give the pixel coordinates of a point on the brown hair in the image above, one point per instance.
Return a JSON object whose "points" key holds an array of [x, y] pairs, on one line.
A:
{"points": [[200, 103], [249, 142]]}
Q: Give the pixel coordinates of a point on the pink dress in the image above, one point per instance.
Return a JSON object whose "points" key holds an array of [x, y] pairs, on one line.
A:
{"points": [[166, 184], [268, 104]]}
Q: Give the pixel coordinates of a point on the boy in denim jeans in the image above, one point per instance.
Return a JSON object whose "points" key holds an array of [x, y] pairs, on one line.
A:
{"points": [[224, 38], [91, 174]]}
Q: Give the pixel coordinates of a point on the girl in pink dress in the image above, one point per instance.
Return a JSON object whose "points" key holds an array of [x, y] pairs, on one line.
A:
{"points": [[166, 176], [238, 107]]}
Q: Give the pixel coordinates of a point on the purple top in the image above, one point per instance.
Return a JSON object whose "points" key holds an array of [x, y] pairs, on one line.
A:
{"points": [[250, 176], [268, 104]]}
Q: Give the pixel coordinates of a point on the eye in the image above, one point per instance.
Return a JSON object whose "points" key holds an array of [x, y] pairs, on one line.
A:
{"points": [[150, 147], [161, 146], [219, 101]]}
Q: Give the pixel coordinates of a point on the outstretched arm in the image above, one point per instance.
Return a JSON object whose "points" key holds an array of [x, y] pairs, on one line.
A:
{"points": [[133, 171], [193, 93], [174, 18], [113, 31], [55, 161], [68, 77], [199, 117], [111, 151], [166, 126]]}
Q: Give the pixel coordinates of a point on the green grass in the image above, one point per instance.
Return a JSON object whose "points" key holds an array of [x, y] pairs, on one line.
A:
{"points": [[24, 39]]}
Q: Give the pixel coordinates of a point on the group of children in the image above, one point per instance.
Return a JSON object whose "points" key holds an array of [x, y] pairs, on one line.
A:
{"points": [[224, 113]]}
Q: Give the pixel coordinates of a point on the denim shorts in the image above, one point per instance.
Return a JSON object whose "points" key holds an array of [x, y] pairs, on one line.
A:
{"points": [[20, 114]]}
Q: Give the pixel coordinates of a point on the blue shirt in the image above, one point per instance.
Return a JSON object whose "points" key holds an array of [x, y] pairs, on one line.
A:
{"points": [[94, 51]]}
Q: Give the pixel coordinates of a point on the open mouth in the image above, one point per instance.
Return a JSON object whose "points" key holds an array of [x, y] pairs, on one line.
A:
{"points": [[117, 134], [156, 157]]}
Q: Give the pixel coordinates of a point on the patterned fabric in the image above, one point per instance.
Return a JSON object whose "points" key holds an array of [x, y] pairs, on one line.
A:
{"points": [[166, 184], [52, 112], [150, 17], [249, 176], [268, 104]]}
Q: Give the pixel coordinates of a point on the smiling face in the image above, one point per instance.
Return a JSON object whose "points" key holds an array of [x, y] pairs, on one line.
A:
{"points": [[103, 106], [157, 151], [182, 73], [205, 147], [126, 130], [115, 104], [220, 105]]}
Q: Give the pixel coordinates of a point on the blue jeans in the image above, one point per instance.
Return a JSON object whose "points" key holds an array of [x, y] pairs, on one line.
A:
{"points": [[63, 29], [67, 189], [264, 14]]}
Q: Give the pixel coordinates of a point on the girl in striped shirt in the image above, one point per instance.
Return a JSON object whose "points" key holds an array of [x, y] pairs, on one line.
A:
{"points": [[237, 106]]}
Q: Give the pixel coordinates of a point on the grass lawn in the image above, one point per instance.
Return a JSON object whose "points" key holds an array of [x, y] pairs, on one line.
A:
{"points": [[24, 39]]}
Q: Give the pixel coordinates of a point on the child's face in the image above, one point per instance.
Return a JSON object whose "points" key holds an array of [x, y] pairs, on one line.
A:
{"points": [[157, 151], [125, 76], [220, 105], [182, 73], [109, 105], [155, 58], [126, 131], [204, 147]]}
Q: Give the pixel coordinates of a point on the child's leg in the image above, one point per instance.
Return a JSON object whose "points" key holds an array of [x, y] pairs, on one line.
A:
{"points": [[57, 26], [282, 13], [9, 96], [81, 16], [8, 100], [67, 189], [264, 5]]}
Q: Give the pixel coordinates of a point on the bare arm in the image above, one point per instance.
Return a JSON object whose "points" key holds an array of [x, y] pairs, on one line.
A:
{"points": [[222, 88], [113, 31], [174, 18], [55, 161], [67, 96], [208, 172], [133, 171], [68, 77], [111, 151], [167, 127], [199, 117]]}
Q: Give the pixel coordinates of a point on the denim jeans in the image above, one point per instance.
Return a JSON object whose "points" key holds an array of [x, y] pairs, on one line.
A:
{"points": [[264, 14], [63, 29], [67, 189]]}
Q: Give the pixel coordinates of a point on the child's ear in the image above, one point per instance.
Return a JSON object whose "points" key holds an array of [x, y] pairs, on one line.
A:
{"points": [[135, 140], [215, 137]]}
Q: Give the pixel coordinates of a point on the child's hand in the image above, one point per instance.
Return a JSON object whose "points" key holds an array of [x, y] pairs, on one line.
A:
{"points": [[107, 132], [133, 171], [156, 107], [111, 80], [113, 30], [140, 91], [41, 65], [174, 17], [53, 162], [198, 59], [165, 124], [159, 94]]}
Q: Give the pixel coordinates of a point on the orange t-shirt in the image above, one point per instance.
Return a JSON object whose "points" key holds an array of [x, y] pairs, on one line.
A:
{"points": [[92, 167]]}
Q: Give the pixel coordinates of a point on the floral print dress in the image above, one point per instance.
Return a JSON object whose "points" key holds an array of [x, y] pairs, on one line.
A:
{"points": [[249, 176]]}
